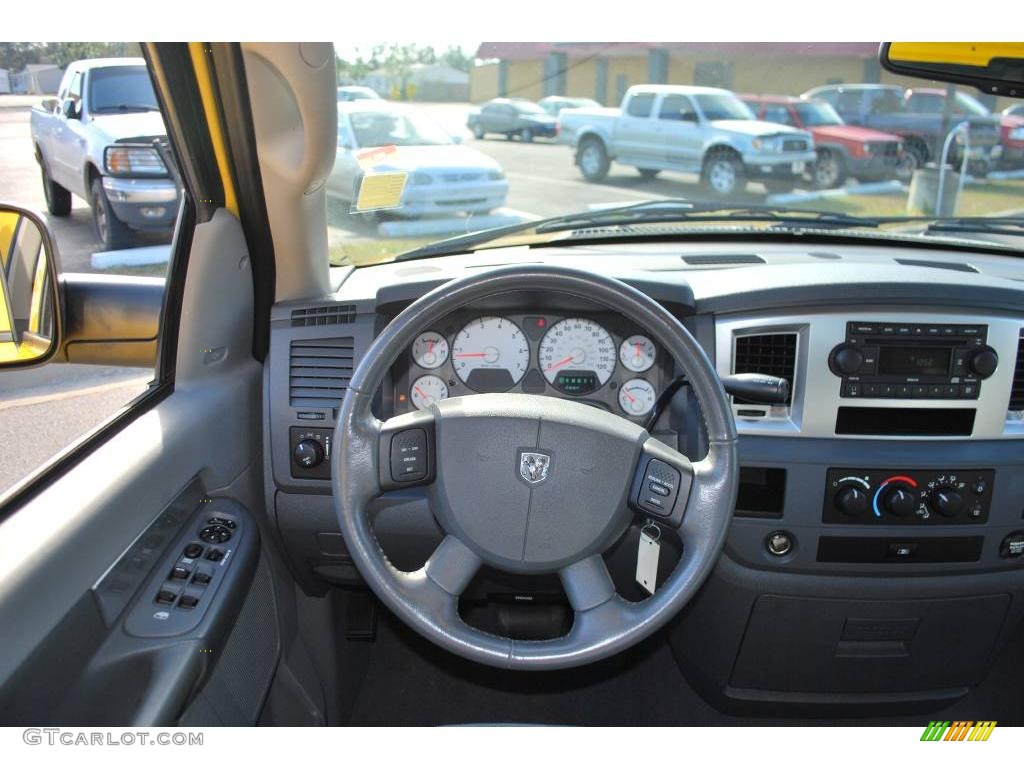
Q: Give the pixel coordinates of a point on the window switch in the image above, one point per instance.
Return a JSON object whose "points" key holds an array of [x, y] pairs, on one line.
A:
{"points": [[165, 597], [180, 572], [201, 578], [188, 601]]}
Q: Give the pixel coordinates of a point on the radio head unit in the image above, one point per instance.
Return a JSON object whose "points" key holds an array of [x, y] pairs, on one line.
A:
{"points": [[913, 361]]}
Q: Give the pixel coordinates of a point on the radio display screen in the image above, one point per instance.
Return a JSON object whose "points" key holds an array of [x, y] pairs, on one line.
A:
{"points": [[914, 361]]}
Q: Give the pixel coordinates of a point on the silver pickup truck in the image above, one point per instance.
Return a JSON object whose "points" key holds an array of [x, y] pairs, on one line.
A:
{"points": [[708, 131], [97, 140]]}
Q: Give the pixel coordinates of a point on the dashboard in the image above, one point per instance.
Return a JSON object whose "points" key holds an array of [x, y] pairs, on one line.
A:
{"points": [[880, 515]]}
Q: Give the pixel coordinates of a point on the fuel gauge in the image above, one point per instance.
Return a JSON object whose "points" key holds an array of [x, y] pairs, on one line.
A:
{"points": [[637, 397]]}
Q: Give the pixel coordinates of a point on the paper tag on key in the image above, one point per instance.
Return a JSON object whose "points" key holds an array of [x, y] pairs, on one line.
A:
{"points": [[647, 557]]}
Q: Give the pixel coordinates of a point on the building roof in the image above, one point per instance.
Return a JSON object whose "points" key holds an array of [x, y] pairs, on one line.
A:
{"points": [[588, 50]]}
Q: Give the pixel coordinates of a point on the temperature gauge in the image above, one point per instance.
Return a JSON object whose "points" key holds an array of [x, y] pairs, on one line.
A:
{"points": [[427, 390], [430, 350], [637, 397], [637, 353]]}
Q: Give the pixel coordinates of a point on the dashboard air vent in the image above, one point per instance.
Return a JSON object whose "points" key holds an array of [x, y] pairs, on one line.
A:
{"points": [[319, 371], [722, 259], [773, 354], [1017, 393], [331, 314]]}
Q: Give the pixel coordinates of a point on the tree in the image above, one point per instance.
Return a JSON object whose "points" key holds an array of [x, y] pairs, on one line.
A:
{"points": [[63, 54], [457, 58], [14, 56]]}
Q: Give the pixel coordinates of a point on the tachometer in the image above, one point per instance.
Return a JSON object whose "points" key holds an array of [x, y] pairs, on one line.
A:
{"points": [[637, 353], [577, 356], [427, 390], [430, 350], [490, 354], [637, 397]]}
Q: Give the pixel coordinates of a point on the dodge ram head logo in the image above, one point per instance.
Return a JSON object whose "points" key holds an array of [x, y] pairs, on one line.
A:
{"points": [[534, 466]]}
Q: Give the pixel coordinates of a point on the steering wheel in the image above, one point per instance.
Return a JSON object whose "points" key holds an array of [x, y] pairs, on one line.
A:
{"points": [[530, 484]]}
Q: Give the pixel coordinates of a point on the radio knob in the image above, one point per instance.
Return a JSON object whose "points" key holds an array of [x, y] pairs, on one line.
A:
{"points": [[847, 360], [946, 501], [851, 501], [899, 501], [983, 363], [308, 453]]}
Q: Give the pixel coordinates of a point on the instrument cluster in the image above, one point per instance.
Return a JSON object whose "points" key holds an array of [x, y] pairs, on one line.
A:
{"points": [[597, 358]]}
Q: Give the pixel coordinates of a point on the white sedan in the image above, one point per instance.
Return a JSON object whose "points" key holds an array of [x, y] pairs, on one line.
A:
{"points": [[444, 176]]}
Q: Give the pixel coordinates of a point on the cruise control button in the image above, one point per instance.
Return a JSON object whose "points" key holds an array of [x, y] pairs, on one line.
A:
{"points": [[409, 455], [658, 488]]}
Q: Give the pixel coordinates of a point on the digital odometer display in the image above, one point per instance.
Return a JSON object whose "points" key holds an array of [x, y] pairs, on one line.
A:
{"points": [[576, 382], [914, 361]]}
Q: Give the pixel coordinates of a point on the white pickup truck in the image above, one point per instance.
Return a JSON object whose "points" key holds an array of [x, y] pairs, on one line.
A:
{"points": [[708, 131], [97, 140]]}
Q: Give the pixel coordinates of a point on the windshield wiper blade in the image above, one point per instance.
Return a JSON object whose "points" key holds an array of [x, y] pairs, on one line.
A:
{"points": [[671, 209], [993, 225]]}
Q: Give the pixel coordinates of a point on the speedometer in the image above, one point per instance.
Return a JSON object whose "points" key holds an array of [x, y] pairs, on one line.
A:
{"points": [[490, 354], [577, 356]]}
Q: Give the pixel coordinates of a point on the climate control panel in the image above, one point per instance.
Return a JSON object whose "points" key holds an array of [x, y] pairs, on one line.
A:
{"points": [[907, 497]]}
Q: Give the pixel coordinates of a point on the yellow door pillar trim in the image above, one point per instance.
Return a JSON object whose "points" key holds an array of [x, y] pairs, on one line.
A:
{"points": [[199, 52]]}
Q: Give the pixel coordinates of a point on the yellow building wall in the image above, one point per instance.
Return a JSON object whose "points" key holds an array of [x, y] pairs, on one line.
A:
{"points": [[633, 67], [793, 76], [525, 79], [580, 78], [483, 82]]}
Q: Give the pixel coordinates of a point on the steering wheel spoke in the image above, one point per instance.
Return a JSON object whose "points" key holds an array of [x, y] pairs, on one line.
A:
{"points": [[587, 583], [452, 565]]}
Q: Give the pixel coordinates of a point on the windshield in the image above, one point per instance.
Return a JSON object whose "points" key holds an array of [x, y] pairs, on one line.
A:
{"points": [[815, 113], [121, 89], [378, 129], [717, 106], [462, 144]]}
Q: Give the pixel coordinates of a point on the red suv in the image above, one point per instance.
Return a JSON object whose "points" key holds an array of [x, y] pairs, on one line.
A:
{"points": [[843, 150]]}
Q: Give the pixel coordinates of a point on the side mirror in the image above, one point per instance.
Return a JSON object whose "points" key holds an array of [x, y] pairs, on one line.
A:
{"points": [[30, 316], [49, 104], [69, 108]]}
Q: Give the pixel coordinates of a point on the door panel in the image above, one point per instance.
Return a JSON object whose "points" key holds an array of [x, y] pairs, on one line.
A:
{"points": [[66, 539]]}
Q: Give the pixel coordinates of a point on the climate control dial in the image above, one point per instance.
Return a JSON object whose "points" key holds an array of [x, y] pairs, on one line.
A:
{"points": [[946, 501]]}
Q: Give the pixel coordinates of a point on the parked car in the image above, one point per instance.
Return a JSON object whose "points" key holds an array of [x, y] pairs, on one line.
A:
{"points": [[842, 150], [892, 109], [555, 104], [357, 93], [444, 176], [98, 140], [692, 129], [1015, 110], [511, 118]]}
